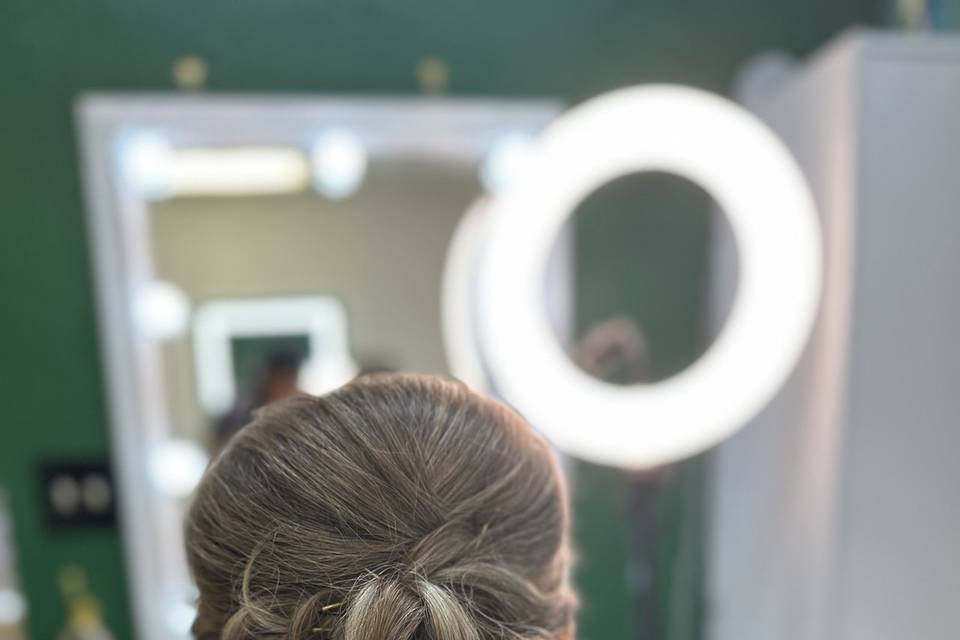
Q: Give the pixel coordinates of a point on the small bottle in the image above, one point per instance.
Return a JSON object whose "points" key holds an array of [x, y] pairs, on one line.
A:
{"points": [[84, 614], [13, 607]]}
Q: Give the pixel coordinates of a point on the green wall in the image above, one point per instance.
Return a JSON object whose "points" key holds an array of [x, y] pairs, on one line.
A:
{"points": [[51, 391]]}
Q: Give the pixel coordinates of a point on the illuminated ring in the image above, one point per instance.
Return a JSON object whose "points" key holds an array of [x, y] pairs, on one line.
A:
{"points": [[459, 289], [761, 190]]}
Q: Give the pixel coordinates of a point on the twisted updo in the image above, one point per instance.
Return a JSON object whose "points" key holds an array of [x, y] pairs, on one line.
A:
{"points": [[399, 507]]}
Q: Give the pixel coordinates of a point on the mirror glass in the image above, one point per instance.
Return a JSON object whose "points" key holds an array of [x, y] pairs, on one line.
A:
{"points": [[366, 269]]}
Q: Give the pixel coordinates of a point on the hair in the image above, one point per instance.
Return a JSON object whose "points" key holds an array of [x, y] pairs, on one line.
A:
{"points": [[399, 507]]}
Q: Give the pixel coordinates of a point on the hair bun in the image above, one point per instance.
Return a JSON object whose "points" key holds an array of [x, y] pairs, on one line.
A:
{"points": [[385, 608]]}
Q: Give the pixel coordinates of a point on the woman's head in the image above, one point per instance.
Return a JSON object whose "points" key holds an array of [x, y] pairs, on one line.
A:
{"points": [[396, 508]]}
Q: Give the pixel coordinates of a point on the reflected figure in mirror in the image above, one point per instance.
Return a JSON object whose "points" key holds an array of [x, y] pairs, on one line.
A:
{"points": [[278, 381]]}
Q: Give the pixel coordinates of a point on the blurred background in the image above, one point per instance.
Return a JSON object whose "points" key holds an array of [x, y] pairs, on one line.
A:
{"points": [[288, 179]]}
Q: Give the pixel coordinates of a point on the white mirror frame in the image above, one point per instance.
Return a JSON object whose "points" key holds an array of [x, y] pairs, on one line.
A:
{"points": [[452, 130]]}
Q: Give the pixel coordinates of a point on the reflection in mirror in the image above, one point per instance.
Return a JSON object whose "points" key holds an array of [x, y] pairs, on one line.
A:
{"points": [[331, 286], [636, 235]]}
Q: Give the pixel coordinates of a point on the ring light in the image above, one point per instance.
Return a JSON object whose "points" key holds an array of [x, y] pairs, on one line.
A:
{"points": [[458, 310], [750, 173]]}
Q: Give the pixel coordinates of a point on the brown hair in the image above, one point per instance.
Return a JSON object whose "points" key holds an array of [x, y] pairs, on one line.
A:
{"points": [[398, 507]]}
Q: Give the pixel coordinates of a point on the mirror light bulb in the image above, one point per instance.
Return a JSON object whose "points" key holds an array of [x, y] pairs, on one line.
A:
{"points": [[148, 162], [509, 157], [161, 310], [339, 163], [176, 466]]}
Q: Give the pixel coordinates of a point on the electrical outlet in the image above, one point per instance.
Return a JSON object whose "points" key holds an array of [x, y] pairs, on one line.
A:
{"points": [[78, 493]]}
